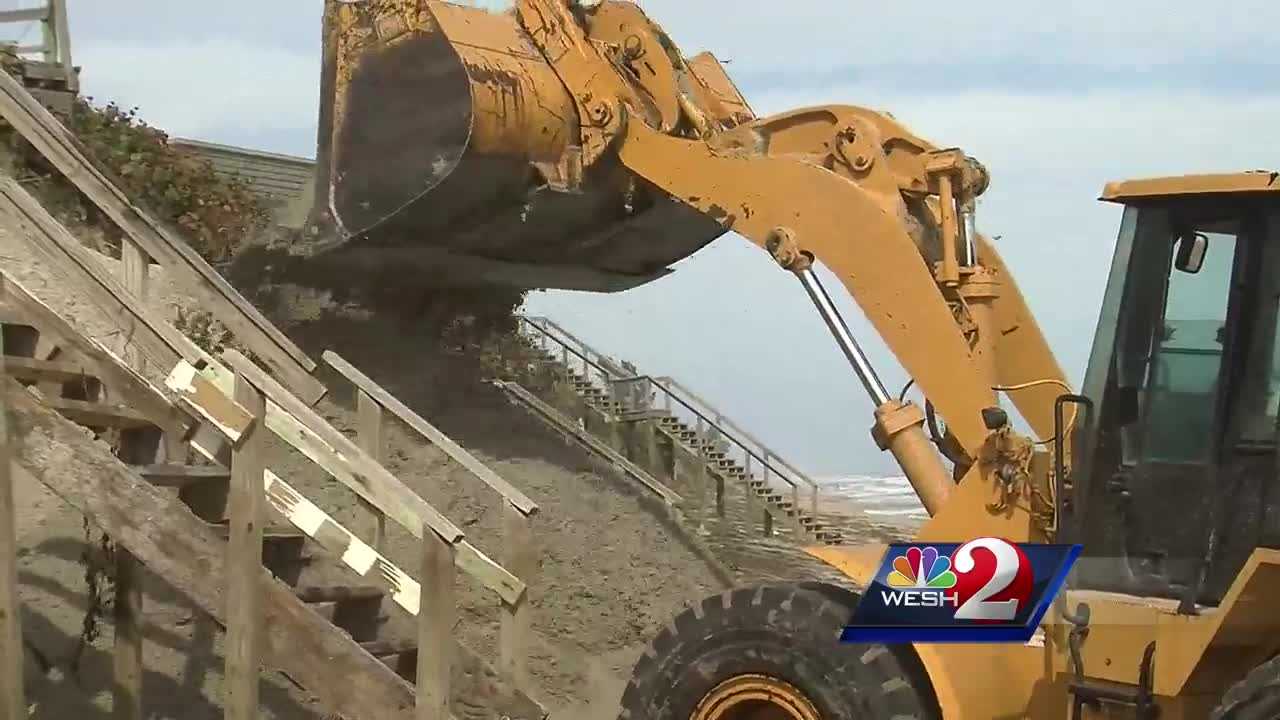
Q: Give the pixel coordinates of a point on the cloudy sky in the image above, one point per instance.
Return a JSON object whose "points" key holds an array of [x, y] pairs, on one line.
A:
{"points": [[1056, 99]]}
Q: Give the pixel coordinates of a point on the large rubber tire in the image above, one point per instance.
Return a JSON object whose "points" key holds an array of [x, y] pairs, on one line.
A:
{"points": [[1256, 697], [784, 632]]}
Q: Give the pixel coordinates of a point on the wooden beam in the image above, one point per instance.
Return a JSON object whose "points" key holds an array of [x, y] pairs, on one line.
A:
{"points": [[169, 475], [435, 627], [149, 335], [100, 415], [513, 495], [180, 260], [100, 362], [25, 15], [176, 545], [515, 633], [244, 563], [209, 402], [11, 648], [369, 433], [313, 436], [40, 371], [355, 553], [136, 273]]}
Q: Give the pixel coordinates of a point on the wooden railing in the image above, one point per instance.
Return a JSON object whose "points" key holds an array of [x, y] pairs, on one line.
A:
{"points": [[520, 555], [55, 45]]}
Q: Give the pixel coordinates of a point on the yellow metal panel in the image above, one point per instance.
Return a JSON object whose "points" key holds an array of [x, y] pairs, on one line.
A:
{"points": [[1254, 181]]}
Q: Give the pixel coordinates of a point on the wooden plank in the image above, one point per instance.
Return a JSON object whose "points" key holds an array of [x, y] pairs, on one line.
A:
{"points": [[39, 371], [513, 495], [136, 273], [100, 415], [11, 648], [379, 486], [521, 558], [43, 131], [150, 336], [209, 402], [369, 433], [24, 15], [314, 437], [244, 563], [62, 37], [355, 553], [100, 362], [435, 627], [169, 475], [177, 546]]}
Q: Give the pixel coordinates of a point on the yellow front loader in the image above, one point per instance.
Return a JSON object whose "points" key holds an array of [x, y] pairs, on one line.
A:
{"points": [[572, 145]]}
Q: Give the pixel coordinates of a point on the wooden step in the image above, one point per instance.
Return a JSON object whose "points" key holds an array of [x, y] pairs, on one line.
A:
{"points": [[99, 415], [33, 370], [182, 475], [390, 648], [337, 593]]}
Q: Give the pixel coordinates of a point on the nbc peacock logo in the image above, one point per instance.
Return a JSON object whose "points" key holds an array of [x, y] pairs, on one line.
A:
{"points": [[922, 568]]}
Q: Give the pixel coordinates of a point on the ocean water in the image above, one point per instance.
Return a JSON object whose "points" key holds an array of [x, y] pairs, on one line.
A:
{"points": [[888, 497]]}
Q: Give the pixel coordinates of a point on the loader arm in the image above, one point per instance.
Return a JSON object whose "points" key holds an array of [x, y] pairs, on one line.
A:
{"points": [[883, 209]]}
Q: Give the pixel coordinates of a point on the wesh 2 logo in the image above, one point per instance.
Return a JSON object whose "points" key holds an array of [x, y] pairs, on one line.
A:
{"points": [[985, 590]]}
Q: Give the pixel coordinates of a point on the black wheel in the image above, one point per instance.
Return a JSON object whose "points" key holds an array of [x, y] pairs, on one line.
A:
{"points": [[772, 653], [1256, 697]]}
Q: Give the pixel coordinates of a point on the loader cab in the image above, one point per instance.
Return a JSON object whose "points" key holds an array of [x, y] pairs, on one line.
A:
{"points": [[1176, 476]]}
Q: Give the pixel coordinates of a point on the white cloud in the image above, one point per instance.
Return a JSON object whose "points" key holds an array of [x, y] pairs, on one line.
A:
{"points": [[204, 89]]}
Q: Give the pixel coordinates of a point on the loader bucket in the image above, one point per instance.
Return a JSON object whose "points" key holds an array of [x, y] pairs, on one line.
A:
{"points": [[447, 147]]}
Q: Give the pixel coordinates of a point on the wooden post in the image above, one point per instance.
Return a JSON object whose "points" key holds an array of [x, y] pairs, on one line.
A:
{"points": [[126, 703], [813, 500], [244, 561], [435, 627], [135, 264], [522, 561], [700, 478], [768, 522], [11, 653], [369, 435]]}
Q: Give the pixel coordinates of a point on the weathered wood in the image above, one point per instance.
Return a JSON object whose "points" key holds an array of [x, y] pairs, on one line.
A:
{"points": [[126, 694], [149, 335], [100, 415], [136, 273], [304, 429], [435, 627], [369, 433], [25, 15], [96, 359], [355, 553], [521, 558], [47, 134], [374, 482], [167, 475], [244, 562], [204, 398], [62, 37], [431, 433], [11, 649], [41, 371], [176, 545]]}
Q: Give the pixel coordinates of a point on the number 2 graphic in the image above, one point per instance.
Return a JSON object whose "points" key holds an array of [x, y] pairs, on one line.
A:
{"points": [[978, 607]]}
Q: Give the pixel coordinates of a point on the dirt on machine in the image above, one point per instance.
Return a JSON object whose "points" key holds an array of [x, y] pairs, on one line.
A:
{"points": [[573, 145]]}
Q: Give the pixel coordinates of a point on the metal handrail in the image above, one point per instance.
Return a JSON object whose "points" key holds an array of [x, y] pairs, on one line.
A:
{"points": [[768, 459], [770, 452]]}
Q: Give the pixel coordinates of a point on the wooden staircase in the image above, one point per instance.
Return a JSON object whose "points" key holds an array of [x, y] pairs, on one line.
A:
{"points": [[175, 473]]}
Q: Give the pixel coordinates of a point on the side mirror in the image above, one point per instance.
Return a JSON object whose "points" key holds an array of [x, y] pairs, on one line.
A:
{"points": [[1192, 248]]}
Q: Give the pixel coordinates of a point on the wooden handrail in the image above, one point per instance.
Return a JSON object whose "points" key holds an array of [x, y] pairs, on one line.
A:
{"points": [[481, 471]]}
